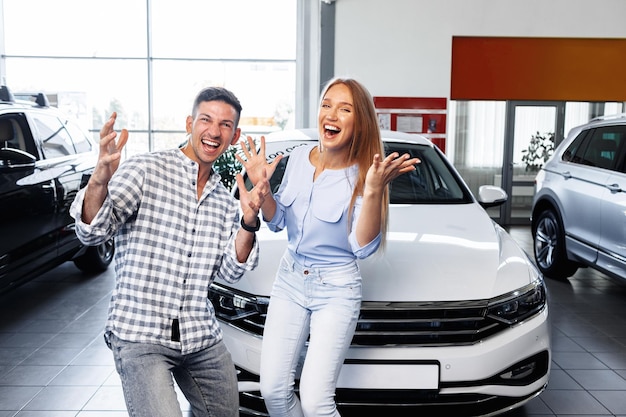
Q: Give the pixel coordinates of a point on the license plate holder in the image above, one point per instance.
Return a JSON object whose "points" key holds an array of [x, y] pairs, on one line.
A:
{"points": [[365, 374]]}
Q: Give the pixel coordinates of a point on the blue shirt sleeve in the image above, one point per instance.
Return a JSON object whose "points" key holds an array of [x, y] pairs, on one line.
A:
{"points": [[362, 252]]}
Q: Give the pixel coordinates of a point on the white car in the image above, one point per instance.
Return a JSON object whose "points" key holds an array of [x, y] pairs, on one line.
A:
{"points": [[454, 319]]}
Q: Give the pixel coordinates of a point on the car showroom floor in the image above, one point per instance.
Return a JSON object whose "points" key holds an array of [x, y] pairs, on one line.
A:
{"points": [[54, 363]]}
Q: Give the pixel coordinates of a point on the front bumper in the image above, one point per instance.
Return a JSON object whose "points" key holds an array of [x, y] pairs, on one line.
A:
{"points": [[498, 374]]}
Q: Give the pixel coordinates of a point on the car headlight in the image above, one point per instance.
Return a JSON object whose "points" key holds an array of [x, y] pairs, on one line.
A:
{"points": [[240, 309], [519, 305]]}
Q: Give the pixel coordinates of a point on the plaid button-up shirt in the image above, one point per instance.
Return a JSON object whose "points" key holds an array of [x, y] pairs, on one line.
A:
{"points": [[169, 247]]}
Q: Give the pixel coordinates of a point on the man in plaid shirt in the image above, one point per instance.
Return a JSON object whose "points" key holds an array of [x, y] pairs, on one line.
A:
{"points": [[177, 228]]}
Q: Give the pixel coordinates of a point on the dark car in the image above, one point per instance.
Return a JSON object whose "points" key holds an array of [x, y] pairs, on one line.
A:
{"points": [[45, 158]]}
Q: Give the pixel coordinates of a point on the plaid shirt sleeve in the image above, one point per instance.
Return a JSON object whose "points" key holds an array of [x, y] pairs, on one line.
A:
{"points": [[231, 269], [109, 218]]}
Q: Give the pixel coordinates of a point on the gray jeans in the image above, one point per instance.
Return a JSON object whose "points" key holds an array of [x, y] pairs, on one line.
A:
{"points": [[207, 379]]}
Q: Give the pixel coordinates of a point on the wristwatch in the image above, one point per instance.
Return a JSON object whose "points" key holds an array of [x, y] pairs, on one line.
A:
{"points": [[251, 229]]}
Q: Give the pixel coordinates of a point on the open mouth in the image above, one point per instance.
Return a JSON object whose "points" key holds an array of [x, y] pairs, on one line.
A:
{"points": [[210, 144], [330, 130]]}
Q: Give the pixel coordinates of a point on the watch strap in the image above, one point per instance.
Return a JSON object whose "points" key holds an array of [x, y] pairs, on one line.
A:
{"points": [[251, 229]]}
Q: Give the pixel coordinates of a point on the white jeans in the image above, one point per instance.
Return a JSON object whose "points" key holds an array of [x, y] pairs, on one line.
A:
{"points": [[322, 304]]}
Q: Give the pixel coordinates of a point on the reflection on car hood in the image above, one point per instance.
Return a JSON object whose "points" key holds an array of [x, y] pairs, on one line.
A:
{"points": [[453, 253], [433, 253]]}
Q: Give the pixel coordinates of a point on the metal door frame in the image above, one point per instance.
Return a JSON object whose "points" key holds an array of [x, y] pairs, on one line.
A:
{"points": [[507, 160]]}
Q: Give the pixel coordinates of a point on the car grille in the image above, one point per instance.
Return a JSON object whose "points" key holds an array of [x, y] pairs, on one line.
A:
{"points": [[428, 323], [380, 323]]}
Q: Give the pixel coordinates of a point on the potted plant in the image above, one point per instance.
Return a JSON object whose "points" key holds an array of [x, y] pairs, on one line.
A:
{"points": [[540, 148]]}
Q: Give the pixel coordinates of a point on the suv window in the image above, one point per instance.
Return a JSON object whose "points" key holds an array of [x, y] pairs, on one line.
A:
{"points": [[574, 153], [81, 143], [55, 140], [602, 149], [14, 133]]}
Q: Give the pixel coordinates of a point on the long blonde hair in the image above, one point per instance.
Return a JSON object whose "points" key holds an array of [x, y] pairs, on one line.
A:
{"points": [[366, 142]]}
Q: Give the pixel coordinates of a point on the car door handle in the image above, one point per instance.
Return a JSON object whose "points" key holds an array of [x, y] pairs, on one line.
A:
{"points": [[615, 188], [49, 186], [566, 174]]}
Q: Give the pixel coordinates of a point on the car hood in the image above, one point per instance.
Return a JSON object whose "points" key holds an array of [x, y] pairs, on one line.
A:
{"points": [[433, 253]]}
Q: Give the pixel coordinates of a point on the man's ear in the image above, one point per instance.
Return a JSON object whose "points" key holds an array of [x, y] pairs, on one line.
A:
{"points": [[189, 124], [236, 137]]}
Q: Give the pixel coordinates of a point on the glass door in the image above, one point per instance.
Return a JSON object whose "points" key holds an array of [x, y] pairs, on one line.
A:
{"points": [[531, 131]]}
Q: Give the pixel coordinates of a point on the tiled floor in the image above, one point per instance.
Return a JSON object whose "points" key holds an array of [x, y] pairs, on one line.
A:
{"points": [[53, 362], [588, 315]]}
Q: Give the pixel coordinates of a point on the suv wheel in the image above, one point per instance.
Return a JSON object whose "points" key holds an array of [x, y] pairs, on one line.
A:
{"points": [[96, 258], [549, 246]]}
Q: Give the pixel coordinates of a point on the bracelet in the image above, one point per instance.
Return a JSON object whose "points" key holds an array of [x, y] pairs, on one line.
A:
{"points": [[251, 229]]}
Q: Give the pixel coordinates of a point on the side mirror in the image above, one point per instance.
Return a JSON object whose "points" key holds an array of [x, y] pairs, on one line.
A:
{"points": [[491, 196], [15, 158]]}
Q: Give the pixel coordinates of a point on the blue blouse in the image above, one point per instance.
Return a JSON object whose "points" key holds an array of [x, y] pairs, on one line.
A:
{"points": [[315, 213]]}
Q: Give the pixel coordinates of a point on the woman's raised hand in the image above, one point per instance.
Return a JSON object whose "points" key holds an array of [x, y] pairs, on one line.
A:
{"points": [[383, 171]]}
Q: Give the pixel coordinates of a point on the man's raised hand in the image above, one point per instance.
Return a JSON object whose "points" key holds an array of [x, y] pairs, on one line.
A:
{"points": [[110, 151]]}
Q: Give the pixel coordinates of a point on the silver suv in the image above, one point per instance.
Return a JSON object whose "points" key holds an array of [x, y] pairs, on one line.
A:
{"points": [[579, 208]]}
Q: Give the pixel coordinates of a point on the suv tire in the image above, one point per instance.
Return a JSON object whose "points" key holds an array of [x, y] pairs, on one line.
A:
{"points": [[549, 247], [96, 258]]}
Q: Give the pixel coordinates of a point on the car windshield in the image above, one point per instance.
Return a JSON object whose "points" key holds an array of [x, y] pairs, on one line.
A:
{"points": [[433, 181]]}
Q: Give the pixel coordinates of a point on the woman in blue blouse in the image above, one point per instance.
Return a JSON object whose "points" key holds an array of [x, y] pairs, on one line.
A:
{"points": [[333, 201]]}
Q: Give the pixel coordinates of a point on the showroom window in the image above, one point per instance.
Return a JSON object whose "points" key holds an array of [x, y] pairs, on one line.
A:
{"points": [[147, 59]]}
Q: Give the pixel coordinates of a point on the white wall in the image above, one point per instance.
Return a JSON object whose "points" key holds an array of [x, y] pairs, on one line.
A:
{"points": [[403, 47]]}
